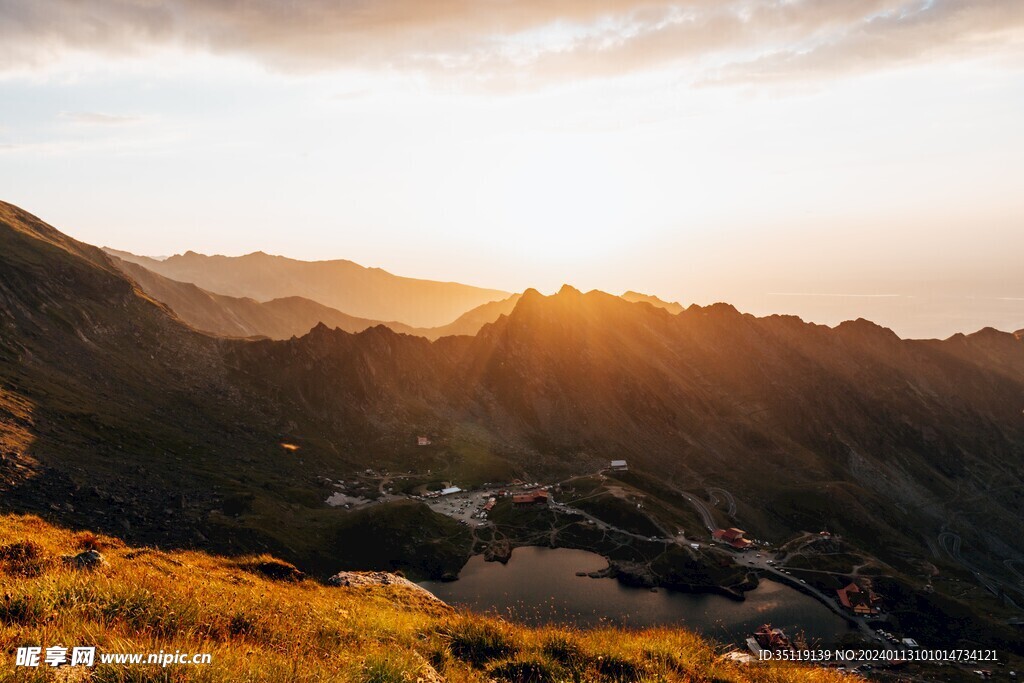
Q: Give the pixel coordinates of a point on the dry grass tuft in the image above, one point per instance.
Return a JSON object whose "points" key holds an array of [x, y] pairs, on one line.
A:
{"points": [[24, 558], [271, 568]]}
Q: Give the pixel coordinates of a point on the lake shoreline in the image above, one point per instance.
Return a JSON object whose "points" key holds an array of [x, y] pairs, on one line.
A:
{"points": [[629, 573], [539, 584]]}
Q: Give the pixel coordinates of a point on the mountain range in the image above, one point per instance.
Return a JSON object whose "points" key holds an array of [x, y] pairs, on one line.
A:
{"points": [[362, 292], [290, 316], [116, 415], [231, 316]]}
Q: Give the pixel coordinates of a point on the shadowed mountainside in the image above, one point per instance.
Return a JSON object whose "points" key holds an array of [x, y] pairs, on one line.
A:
{"points": [[115, 411], [369, 293], [876, 437]]}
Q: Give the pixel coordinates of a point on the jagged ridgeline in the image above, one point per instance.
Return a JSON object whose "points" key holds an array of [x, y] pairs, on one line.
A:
{"points": [[116, 415]]}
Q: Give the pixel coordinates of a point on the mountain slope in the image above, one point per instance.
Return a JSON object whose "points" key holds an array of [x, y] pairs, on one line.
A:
{"points": [[117, 398], [369, 293], [116, 417], [772, 407], [888, 442], [241, 317], [470, 322]]}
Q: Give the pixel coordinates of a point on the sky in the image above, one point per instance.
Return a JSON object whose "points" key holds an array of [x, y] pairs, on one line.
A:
{"points": [[827, 158]]}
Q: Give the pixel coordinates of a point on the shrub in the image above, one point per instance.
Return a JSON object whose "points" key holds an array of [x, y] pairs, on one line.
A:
{"points": [[387, 669], [21, 609], [87, 540], [564, 649], [272, 568], [242, 624], [23, 558], [477, 641], [525, 671], [615, 668]]}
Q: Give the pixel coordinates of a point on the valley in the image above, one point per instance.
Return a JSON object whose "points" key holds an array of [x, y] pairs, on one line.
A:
{"points": [[118, 418], [817, 564]]}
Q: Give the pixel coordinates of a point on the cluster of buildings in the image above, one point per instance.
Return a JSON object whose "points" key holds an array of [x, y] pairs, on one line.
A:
{"points": [[446, 491], [531, 498], [768, 638], [733, 537], [860, 600]]}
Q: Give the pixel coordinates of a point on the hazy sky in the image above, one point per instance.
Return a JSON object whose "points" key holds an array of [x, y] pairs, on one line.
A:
{"points": [[785, 155]]}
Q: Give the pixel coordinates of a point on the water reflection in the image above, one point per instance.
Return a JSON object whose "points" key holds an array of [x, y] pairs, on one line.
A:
{"points": [[540, 585]]}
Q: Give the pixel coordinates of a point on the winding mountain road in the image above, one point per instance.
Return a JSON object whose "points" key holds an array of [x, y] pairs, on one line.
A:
{"points": [[1016, 572], [761, 563], [714, 492], [951, 543], [702, 509]]}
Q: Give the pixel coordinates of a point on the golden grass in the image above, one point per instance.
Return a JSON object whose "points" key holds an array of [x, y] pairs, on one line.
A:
{"points": [[260, 629]]}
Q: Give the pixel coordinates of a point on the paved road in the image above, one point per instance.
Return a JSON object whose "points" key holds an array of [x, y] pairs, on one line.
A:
{"points": [[761, 563], [702, 509], [714, 492], [568, 509], [951, 543], [1009, 565]]}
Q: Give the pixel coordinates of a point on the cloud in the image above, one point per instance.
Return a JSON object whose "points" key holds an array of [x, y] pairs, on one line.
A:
{"points": [[523, 41], [92, 118], [932, 30]]}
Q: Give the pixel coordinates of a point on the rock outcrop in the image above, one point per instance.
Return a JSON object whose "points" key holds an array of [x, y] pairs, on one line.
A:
{"points": [[87, 559], [364, 579]]}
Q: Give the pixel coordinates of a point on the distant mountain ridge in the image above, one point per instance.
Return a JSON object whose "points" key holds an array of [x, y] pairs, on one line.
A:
{"points": [[670, 306], [239, 316], [291, 316], [368, 293], [286, 317]]}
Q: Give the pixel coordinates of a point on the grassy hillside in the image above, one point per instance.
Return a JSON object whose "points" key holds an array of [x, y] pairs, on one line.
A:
{"points": [[256, 627]]}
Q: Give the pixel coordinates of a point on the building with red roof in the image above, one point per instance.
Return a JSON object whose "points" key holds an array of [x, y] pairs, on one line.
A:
{"points": [[859, 600], [532, 498], [733, 537]]}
